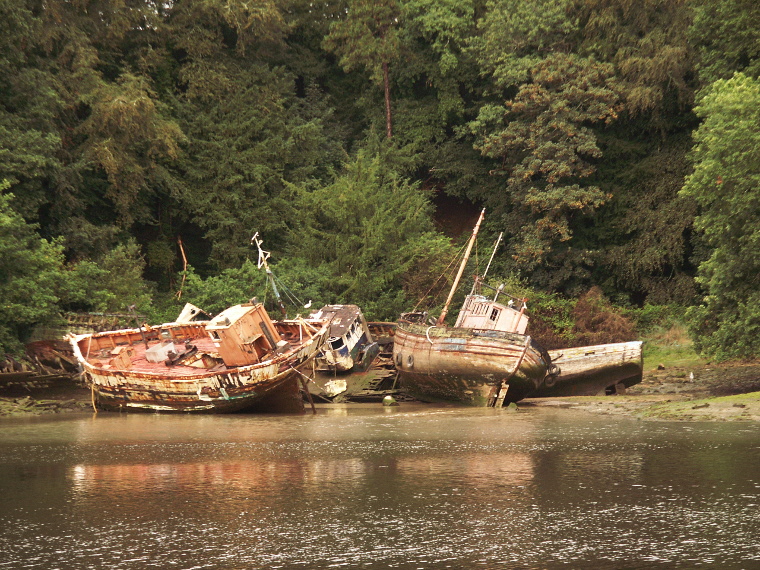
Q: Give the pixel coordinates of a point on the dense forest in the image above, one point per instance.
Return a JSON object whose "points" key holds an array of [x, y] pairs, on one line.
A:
{"points": [[616, 143]]}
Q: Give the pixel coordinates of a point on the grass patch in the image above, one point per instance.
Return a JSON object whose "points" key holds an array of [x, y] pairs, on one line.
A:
{"points": [[671, 348], [691, 409], [735, 398]]}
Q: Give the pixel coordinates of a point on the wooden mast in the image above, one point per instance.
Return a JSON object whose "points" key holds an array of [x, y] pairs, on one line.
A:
{"points": [[440, 320], [493, 253]]}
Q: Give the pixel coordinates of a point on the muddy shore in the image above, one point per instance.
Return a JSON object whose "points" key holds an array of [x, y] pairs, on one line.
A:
{"points": [[58, 396], [726, 392], [717, 392]]}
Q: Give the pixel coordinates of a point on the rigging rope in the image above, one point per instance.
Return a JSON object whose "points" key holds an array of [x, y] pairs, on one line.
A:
{"points": [[452, 264]]}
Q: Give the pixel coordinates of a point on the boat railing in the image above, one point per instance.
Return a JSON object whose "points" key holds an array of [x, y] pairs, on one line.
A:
{"points": [[498, 291]]}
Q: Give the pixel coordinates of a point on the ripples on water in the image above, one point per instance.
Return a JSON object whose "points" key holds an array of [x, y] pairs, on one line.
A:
{"points": [[372, 487]]}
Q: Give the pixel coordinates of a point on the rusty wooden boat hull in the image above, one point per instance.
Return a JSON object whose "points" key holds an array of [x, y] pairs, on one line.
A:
{"points": [[269, 386], [467, 366], [589, 370]]}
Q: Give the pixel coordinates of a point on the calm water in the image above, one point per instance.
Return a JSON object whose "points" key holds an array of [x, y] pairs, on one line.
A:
{"points": [[371, 487]]}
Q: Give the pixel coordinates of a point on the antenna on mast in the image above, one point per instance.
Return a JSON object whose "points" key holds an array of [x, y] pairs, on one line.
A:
{"points": [[263, 256]]}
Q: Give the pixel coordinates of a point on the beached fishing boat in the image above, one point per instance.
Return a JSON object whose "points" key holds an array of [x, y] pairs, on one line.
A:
{"points": [[591, 370], [485, 359], [239, 360], [350, 345], [356, 362]]}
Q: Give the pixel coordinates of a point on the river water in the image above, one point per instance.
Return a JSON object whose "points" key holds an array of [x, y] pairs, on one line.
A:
{"points": [[367, 486]]}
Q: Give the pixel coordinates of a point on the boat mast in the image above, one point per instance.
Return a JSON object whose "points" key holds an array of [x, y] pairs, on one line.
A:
{"points": [[495, 247], [263, 256], [482, 277], [461, 269]]}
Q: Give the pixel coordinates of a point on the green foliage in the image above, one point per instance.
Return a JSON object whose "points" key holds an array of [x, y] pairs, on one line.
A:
{"points": [[726, 185], [367, 37], [127, 138], [546, 151], [646, 226], [247, 144], [516, 35], [665, 337], [135, 123], [369, 232], [551, 318], [30, 268], [110, 284], [444, 25], [647, 42], [230, 287], [652, 318], [726, 36]]}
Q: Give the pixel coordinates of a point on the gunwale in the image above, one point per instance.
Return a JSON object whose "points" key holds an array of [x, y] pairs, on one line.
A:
{"points": [[158, 387]]}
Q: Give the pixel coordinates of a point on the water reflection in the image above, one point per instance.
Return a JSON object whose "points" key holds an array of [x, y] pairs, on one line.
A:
{"points": [[361, 486]]}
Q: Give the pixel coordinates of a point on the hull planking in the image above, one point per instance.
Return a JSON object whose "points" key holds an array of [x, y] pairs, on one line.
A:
{"points": [[139, 385], [467, 366]]}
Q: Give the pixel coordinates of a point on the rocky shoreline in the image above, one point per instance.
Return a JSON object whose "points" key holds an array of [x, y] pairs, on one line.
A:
{"points": [[725, 392]]}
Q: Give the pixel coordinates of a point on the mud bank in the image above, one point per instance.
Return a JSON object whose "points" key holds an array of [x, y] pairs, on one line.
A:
{"points": [[725, 392], [61, 396], [35, 406]]}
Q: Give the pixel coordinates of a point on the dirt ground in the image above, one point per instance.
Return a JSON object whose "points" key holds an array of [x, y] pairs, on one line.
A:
{"points": [[717, 392]]}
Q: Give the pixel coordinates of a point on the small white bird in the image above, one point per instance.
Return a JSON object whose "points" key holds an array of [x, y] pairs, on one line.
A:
{"points": [[307, 305], [691, 377]]}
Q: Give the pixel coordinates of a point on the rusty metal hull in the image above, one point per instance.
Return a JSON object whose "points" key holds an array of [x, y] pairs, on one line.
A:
{"points": [[589, 370], [466, 366], [271, 385]]}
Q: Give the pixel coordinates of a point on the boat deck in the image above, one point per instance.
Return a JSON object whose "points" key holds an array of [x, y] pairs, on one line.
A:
{"points": [[137, 362]]}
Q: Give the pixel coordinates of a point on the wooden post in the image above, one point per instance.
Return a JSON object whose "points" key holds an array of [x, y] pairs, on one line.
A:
{"points": [[308, 395]]}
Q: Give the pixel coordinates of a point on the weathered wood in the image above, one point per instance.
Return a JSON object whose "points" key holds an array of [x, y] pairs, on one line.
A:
{"points": [[199, 383], [589, 370]]}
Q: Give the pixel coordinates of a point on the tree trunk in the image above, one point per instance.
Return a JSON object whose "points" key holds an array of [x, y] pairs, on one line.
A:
{"points": [[387, 85]]}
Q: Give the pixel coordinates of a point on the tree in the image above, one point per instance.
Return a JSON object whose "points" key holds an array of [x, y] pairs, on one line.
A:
{"points": [[126, 136], [108, 284], [645, 230], [726, 37], [86, 140], [249, 133], [546, 150], [639, 240], [29, 141], [30, 270], [368, 37], [435, 33], [647, 42], [726, 186], [370, 234]]}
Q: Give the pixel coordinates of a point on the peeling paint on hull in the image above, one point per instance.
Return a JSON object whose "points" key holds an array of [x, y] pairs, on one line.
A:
{"points": [[271, 385], [466, 366], [227, 398]]}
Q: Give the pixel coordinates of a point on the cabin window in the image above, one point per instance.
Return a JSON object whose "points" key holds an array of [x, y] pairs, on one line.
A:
{"points": [[494, 315], [337, 343]]}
